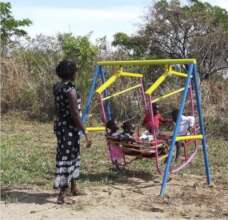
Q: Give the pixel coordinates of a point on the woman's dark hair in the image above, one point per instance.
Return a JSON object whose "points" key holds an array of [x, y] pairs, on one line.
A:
{"points": [[175, 114], [66, 69]]}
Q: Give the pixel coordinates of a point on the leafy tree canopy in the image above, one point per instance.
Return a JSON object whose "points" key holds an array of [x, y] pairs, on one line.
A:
{"points": [[170, 30], [10, 26]]}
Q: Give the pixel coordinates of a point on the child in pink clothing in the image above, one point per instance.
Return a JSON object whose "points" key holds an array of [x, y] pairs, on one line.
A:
{"points": [[153, 123]]}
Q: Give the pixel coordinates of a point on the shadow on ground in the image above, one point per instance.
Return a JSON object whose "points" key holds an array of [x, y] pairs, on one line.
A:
{"points": [[120, 176], [21, 196]]}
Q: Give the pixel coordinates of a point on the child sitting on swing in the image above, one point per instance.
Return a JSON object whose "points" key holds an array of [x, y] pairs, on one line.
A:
{"points": [[186, 123], [128, 132], [112, 129], [126, 135], [152, 123]]}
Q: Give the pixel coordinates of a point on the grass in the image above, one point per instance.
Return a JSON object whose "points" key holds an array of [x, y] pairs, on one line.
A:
{"points": [[25, 159], [28, 157]]}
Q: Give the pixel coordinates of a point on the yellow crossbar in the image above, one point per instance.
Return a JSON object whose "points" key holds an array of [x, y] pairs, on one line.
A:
{"points": [[189, 137], [113, 78], [163, 157], [95, 129], [178, 73], [105, 85], [139, 75], [167, 95], [157, 83], [147, 62], [121, 92]]}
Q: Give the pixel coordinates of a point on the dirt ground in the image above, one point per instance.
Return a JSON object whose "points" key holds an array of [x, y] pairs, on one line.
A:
{"points": [[187, 197]]}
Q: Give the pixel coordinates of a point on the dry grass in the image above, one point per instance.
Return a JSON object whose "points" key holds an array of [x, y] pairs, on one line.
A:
{"points": [[26, 86], [13, 79], [26, 90]]}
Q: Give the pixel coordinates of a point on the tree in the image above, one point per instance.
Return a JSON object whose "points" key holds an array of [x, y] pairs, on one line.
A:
{"points": [[170, 30], [10, 27], [196, 30], [132, 45], [81, 50]]}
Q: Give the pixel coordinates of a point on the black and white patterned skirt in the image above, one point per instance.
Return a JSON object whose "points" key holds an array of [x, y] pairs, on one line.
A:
{"points": [[68, 154]]}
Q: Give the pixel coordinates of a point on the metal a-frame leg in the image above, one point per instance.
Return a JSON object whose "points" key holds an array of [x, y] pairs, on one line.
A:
{"points": [[90, 95], [201, 122], [172, 145], [106, 93], [99, 73]]}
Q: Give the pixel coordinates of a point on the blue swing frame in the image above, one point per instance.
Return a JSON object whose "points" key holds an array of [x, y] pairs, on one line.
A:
{"points": [[193, 77]]}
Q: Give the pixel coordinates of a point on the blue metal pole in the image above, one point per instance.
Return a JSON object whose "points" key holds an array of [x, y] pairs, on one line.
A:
{"points": [[201, 121], [90, 95], [106, 93], [171, 148]]}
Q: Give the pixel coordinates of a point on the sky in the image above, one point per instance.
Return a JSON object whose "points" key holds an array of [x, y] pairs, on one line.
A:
{"points": [[102, 17]]}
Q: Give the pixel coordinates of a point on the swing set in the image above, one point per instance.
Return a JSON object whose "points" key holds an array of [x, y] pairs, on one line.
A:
{"points": [[162, 148]]}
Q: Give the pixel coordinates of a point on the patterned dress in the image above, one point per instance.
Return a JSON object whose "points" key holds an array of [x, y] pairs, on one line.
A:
{"points": [[68, 139]]}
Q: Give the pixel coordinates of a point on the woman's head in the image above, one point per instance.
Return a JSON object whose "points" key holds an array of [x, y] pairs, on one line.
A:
{"points": [[66, 70]]}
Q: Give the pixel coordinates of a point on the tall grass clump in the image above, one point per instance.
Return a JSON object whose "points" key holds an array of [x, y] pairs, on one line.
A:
{"points": [[28, 75]]}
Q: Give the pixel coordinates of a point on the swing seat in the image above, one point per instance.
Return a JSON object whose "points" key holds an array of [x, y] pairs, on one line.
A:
{"points": [[137, 148]]}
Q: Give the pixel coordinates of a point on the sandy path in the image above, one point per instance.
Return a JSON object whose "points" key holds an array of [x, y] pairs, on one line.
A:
{"points": [[187, 198]]}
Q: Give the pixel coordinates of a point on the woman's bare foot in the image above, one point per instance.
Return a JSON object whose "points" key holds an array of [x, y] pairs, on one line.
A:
{"points": [[60, 199], [77, 192], [74, 189]]}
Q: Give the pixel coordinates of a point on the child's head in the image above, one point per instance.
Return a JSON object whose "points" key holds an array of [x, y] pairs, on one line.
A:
{"points": [[111, 126], [128, 127], [66, 70], [155, 108], [175, 114]]}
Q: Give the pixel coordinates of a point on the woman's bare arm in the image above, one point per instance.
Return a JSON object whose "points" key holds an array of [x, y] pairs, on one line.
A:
{"points": [[72, 96]]}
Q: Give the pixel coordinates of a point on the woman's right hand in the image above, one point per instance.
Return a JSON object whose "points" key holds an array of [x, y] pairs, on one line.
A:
{"points": [[88, 143]]}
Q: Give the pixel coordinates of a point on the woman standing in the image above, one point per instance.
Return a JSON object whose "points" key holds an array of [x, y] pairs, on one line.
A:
{"points": [[67, 127]]}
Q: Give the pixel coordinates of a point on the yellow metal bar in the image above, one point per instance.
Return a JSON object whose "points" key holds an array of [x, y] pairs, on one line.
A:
{"points": [[147, 62], [167, 95], [95, 129], [189, 137], [139, 75], [157, 83], [106, 84], [178, 73], [163, 157], [121, 92]]}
